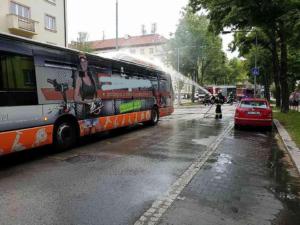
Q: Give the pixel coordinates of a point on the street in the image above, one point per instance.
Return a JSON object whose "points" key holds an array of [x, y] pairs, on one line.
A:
{"points": [[189, 169]]}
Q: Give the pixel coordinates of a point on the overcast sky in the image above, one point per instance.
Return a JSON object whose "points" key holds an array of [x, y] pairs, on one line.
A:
{"points": [[98, 16]]}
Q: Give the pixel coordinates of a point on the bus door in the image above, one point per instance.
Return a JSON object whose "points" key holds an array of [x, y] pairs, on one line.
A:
{"points": [[165, 97]]}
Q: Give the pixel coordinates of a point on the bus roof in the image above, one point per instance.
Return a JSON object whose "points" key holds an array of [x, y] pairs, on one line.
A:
{"points": [[43, 44]]}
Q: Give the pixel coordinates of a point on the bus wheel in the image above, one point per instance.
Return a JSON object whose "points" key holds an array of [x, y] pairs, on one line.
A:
{"points": [[154, 116], [64, 135]]}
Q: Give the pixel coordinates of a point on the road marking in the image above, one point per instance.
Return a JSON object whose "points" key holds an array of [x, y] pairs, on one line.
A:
{"points": [[161, 205]]}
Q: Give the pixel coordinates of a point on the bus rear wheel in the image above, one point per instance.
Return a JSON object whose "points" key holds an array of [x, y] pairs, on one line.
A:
{"points": [[64, 135]]}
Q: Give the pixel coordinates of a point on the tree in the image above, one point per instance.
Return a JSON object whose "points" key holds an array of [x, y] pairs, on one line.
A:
{"points": [[82, 43], [260, 52], [237, 72], [194, 50], [280, 16]]}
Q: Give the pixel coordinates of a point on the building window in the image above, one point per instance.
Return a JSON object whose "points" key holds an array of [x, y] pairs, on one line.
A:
{"points": [[142, 51], [50, 23], [19, 10], [151, 50]]}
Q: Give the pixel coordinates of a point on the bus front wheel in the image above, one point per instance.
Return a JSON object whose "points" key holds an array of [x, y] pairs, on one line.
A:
{"points": [[64, 135]]}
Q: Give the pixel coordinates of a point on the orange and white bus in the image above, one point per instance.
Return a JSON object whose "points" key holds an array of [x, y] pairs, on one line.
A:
{"points": [[53, 95]]}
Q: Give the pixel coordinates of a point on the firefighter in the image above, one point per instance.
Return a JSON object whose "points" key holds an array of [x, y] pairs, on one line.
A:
{"points": [[219, 101]]}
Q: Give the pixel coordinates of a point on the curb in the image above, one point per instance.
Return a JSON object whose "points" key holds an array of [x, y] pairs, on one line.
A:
{"points": [[289, 144]]}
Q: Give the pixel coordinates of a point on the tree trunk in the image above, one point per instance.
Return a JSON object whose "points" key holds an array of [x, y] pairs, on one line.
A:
{"points": [[202, 72], [267, 87], [193, 87], [179, 96], [276, 69], [283, 70]]}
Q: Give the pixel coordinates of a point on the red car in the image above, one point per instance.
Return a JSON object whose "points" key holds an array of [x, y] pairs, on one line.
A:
{"points": [[253, 112]]}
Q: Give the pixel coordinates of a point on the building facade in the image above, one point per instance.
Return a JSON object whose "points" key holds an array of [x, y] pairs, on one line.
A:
{"points": [[148, 45], [41, 20]]}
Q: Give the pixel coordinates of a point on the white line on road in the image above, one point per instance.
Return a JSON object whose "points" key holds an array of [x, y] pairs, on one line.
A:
{"points": [[161, 205]]}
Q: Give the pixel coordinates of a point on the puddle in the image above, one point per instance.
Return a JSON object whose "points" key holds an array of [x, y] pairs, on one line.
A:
{"points": [[221, 162], [81, 159], [286, 187], [204, 141], [85, 158]]}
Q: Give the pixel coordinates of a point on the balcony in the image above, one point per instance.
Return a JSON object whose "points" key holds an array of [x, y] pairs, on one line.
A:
{"points": [[21, 26]]}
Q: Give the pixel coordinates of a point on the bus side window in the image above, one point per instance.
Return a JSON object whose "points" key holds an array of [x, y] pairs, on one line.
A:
{"points": [[154, 82], [17, 80], [164, 85]]}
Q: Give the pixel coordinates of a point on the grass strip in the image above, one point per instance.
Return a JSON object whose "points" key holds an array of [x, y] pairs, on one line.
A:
{"points": [[291, 122]]}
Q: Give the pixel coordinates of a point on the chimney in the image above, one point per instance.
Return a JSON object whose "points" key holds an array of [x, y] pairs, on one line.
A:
{"points": [[144, 32], [126, 36], [153, 28], [103, 35]]}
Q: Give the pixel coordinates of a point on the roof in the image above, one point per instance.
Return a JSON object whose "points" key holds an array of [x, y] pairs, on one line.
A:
{"points": [[130, 41]]}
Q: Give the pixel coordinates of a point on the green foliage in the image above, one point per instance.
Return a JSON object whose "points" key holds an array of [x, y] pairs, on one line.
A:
{"points": [[194, 50], [82, 43], [237, 72], [278, 23], [291, 122]]}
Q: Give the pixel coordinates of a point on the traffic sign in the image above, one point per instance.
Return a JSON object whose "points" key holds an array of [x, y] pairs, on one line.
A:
{"points": [[255, 71]]}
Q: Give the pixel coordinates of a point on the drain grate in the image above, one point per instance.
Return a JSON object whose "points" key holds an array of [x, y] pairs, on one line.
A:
{"points": [[81, 159]]}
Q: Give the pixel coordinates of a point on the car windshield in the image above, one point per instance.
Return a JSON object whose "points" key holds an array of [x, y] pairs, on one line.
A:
{"points": [[254, 104]]}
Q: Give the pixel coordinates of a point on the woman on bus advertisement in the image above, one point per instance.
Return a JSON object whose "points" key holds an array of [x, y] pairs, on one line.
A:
{"points": [[87, 103]]}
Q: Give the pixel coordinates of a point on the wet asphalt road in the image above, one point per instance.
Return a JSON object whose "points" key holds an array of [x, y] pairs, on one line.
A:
{"points": [[113, 178]]}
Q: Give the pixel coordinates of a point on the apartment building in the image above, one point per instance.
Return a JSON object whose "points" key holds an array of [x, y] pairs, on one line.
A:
{"points": [[147, 45], [41, 20]]}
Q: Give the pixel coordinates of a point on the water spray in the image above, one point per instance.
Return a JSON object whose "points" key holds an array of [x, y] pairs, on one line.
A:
{"points": [[155, 63]]}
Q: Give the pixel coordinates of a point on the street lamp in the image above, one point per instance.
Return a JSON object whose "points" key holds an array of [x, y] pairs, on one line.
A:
{"points": [[255, 55], [117, 44]]}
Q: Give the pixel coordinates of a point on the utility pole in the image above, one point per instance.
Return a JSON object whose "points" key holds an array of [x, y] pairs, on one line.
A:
{"points": [[178, 70], [117, 44], [255, 62], [178, 60]]}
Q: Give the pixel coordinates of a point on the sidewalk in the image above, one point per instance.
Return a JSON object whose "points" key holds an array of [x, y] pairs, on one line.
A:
{"points": [[289, 144]]}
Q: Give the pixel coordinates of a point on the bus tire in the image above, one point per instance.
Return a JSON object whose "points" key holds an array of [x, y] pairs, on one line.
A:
{"points": [[154, 116], [64, 135]]}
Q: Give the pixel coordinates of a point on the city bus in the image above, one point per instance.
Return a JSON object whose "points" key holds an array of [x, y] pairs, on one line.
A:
{"points": [[54, 95]]}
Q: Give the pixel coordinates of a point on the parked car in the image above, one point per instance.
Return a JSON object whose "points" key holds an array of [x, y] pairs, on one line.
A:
{"points": [[201, 98], [253, 112]]}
